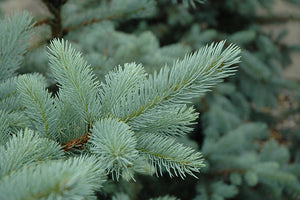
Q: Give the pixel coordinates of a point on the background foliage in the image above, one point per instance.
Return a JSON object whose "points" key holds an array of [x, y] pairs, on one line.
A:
{"points": [[249, 154]]}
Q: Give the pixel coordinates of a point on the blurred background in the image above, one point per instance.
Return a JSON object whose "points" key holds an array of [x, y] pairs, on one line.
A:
{"points": [[280, 7], [248, 129]]}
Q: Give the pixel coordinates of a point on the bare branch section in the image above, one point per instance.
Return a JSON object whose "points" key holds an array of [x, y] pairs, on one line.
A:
{"points": [[97, 20], [54, 6], [277, 19], [55, 23]]}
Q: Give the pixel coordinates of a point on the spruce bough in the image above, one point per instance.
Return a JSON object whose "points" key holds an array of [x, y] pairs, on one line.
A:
{"points": [[63, 145]]}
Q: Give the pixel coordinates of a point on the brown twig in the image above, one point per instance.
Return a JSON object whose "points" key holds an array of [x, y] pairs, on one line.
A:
{"points": [[43, 21], [85, 23], [76, 143], [54, 6], [95, 20], [57, 29], [274, 19]]}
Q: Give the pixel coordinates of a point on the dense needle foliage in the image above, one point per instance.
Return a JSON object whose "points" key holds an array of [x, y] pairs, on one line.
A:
{"points": [[113, 112]]}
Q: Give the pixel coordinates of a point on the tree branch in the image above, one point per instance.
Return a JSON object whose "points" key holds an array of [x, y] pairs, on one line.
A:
{"points": [[275, 19], [95, 20], [54, 6]]}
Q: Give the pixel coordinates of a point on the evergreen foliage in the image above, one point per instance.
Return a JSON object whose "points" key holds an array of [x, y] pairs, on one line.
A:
{"points": [[12, 47], [80, 131], [237, 122], [107, 118]]}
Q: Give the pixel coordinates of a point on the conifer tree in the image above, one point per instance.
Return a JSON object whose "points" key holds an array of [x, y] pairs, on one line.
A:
{"points": [[63, 145], [248, 155], [123, 107]]}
